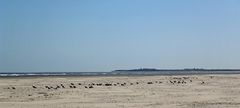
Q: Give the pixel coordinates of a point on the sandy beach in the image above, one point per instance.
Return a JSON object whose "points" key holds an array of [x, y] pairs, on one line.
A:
{"points": [[193, 91]]}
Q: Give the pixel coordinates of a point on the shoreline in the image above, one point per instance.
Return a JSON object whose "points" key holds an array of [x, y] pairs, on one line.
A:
{"points": [[123, 75]]}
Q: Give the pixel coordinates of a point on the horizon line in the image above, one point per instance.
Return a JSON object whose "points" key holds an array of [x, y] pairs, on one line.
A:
{"points": [[139, 69]]}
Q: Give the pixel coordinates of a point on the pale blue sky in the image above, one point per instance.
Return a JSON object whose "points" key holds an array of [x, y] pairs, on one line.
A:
{"points": [[104, 35]]}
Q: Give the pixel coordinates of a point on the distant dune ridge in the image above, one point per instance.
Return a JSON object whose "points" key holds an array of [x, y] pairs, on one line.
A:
{"points": [[186, 69]]}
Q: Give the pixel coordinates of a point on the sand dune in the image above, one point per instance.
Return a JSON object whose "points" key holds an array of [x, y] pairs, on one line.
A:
{"points": [[196, 91]]}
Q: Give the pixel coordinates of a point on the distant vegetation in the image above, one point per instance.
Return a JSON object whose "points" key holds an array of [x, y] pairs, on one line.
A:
{"points": [[186, 69]]}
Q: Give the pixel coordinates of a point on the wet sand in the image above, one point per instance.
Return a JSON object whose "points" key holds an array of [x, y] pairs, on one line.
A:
{"points": [[193, 91]]}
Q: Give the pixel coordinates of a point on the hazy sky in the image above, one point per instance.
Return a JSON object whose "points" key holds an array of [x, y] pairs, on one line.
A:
{"points": [[104, 35]]}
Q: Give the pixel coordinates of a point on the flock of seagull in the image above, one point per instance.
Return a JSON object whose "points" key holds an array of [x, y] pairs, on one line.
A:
{"points": [[173, 81]]}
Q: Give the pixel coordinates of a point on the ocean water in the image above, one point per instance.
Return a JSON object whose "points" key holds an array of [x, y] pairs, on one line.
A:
{"points": [[122, 73]]}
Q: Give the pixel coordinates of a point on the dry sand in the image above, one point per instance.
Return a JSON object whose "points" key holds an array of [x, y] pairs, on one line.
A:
{"points": [[196, 91]]}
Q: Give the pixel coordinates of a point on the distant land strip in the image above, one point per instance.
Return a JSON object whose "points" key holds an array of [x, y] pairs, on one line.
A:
{"points": [[186, 69]]}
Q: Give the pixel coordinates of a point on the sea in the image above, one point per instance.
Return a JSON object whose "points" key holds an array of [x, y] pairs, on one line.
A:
{"points": [[114, 73]]}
